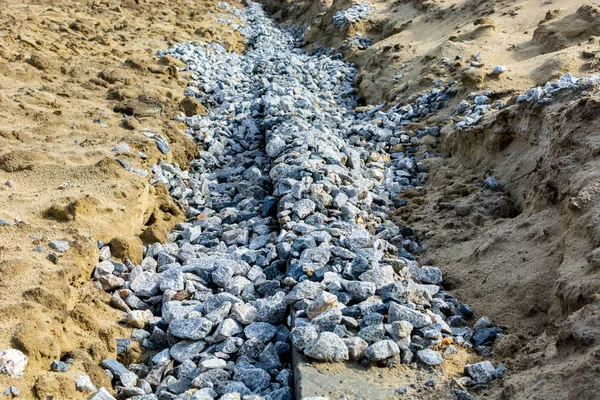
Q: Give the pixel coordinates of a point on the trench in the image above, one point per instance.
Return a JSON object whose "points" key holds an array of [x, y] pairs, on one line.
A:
{"points": [[287, 207]]}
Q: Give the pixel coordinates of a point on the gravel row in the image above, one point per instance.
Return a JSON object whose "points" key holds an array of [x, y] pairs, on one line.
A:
{"points": [[288, 241]]}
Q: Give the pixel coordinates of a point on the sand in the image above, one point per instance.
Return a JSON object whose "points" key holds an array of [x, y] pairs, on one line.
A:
{"points": [[78, 78]]}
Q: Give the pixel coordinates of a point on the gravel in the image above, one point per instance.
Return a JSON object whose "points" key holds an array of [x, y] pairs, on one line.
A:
{"points": [[430, 357], [287, 207], [353, 14]]}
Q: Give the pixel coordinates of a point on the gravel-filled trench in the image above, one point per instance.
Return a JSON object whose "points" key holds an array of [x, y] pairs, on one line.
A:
{"points": [[287, 204]]}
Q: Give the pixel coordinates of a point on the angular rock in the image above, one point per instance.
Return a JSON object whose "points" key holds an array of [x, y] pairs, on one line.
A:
{"points": [[327, 347]]}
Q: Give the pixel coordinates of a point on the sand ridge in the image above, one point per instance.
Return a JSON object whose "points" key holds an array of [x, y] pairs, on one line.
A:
{"points": [[79, 79]]}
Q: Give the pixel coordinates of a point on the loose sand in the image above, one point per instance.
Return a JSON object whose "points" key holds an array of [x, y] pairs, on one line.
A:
{"points": [[78, 78]]}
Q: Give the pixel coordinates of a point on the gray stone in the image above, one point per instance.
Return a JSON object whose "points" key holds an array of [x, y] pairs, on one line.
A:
{"points": [[360, 291], [83, 383], [269, 359], [431, 275], [211, 363], [303, 208], [327, 347], [191, 328], [186, 350], [214, 378], [358, 239], [222, 275], [172, 279], [59, 366], [60, 246], [401, 329], [262, 331], [356, 347], [417, 319], [302, 336], [275, 146], [482, 372], [430, 357], [102, 394], [218, 315], [372, 334], [382, 350], [327, 321], [145, 284], [305, 290], [227, 328], [173, 310], [253, 378], [244, 313], [251, 348]]}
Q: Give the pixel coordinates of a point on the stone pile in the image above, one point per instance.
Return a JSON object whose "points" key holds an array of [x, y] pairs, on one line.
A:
{"points": [[360, 41], [543, 95], [353, 14], [470, 112], [288, 240]]}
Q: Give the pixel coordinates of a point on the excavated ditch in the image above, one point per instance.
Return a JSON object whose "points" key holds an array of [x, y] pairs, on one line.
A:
{"points": [[287, 207]]}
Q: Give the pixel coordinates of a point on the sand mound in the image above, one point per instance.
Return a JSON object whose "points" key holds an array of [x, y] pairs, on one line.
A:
{"points": [[524, 255], [80, 86], [557, 34]]}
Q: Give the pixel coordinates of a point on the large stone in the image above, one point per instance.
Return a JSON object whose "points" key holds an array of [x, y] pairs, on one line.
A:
{"points": [[172, 279], [356, 347], [244, 313], [381, 350], [262, 331], [191, 328], [102, 394], [430, 357], [227, 328], [13, 363], [172, 310], [214, 378], [327, 321], [303, 208], [482, 372], [323, 302], [401, 329], [145, 284], [187, 349], [253, 378], [275, 146], [417, 319], [431, 275], [302, 336], [327, 347], [305, 290], [360, 290]]}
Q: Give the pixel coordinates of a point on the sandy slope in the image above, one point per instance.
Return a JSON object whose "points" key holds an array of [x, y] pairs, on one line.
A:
{"points": [[78, 78]]}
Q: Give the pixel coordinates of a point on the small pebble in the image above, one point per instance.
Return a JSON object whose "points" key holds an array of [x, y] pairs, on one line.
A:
{"points": [[59, 366]]}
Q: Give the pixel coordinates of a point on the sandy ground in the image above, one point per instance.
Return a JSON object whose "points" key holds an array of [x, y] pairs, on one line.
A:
{"points": [[527, 256], [78, 78]]}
